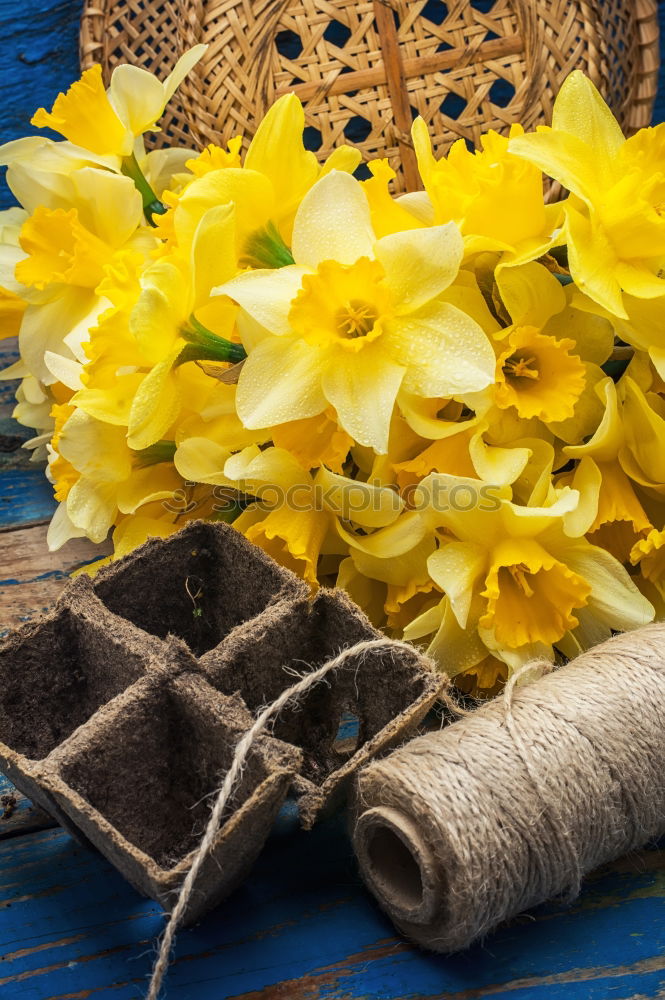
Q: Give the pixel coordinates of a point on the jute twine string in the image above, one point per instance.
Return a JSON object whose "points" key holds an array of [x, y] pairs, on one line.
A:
{"points": [[243, 748], [512, 804]]}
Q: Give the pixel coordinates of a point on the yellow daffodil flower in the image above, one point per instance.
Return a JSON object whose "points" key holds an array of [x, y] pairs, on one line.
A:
{"points": [[43, 172], [610, 511], [167, 331], [394, 215], [496, 199], [61, 261], [540, 372], [409, 588], [354, 319], [315, 441], [103, 477], [615, 222], [296, 511], [643, 454], [514, 582], [108, 121], [649, 554], [266, 189]]}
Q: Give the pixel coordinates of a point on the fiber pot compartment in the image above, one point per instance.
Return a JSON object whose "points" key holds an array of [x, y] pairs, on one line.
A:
{"points": [[369, 704], [139, 779], [54, 676], [198, 584]]}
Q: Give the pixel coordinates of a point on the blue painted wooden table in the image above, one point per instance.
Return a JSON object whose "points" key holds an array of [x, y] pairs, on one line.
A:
{"points": [[302, 927]]}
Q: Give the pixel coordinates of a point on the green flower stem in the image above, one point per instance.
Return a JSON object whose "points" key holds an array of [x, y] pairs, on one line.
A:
{"points": [[151, 203], [228, 514], [204, 345], [266, 248], [161, 451]]}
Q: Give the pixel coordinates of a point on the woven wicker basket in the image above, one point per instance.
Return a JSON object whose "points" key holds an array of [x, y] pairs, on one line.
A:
{"points": [[365, 68]]}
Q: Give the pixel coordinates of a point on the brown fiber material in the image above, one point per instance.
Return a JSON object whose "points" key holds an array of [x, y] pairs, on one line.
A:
{"points": [[387, 695], [120, 710], [514, 803], [364, 68]]}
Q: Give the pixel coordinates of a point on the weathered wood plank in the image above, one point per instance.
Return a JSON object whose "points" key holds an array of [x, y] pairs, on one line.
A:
{"points": [[31, 577], [18, 816], [26, 496], [39, 58], [303, 928]]}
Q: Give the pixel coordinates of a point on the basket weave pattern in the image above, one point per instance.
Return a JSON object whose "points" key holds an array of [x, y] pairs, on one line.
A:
{"points": [[364, 68]]}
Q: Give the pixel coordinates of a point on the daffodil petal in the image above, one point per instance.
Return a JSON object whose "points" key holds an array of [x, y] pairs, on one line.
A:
{"points": [[277, 151], [593, 262], [609, 435], [564, 157], [266, 295], [345, 158], [113, 404], [453, 648], [645, 433], [64, 370], [448, 352], [587, 480], [420, 263], [213, 251], [61, 529], [280, 381], [593, 333], [46, 327], [390, 542], [530, 294], [363, 387], [273, 467], [423, 147], [156, 405], [91, 507], [456, 568], [137, 97], [157, 482], [200, 460], [426, 624], [96, 449], [639, 281], [184, 65], [9, 258], [398, 571], [494, 464], [109, 204], [333, 223], [614, 600], [580, 110], [363, 503]]}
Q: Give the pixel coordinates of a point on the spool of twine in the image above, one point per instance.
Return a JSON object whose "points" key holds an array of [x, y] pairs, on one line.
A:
{"points": [[510, 806]]}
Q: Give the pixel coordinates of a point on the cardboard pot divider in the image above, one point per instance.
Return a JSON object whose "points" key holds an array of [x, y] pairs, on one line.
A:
{"points": [[120, 710]]}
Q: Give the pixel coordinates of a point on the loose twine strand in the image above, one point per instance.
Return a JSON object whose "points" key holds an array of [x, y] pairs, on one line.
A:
{"points": [[232, 775]]}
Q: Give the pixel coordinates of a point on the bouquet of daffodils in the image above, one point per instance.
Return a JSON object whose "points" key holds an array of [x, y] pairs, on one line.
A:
{"points": [[451, 403]]}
